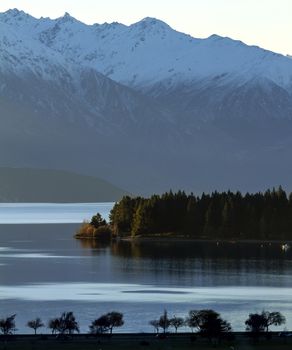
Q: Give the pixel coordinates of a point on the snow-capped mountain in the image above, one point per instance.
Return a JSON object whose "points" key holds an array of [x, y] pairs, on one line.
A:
{"points": [[53, 83], [152, 58], [150, 52], [143, 105]]}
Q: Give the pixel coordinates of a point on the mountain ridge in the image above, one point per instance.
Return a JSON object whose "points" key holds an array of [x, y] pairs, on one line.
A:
{"points": [[144, 106], [133, 37]]}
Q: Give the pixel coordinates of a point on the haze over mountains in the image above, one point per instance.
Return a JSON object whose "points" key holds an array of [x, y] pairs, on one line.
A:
{"points": [[143, 106], [54, 186]]}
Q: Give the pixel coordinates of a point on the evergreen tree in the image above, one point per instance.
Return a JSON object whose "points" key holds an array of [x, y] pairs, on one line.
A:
{"points": [[223, 215]]}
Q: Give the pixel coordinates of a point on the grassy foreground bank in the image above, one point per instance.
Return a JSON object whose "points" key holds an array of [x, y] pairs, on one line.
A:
{"points": [[141, 341]]}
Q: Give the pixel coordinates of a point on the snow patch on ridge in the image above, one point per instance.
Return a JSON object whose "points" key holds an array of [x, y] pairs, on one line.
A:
{"points": [[145, 54]]}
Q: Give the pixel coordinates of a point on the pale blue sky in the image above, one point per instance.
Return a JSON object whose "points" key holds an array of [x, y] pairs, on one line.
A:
{"points": [[267, 23]]}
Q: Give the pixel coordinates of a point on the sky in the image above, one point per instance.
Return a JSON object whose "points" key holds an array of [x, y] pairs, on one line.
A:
{"points": [[266, 23]]}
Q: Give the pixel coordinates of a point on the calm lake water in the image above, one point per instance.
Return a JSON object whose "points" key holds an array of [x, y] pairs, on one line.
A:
{"points": [[36, 213], [44, 271]]}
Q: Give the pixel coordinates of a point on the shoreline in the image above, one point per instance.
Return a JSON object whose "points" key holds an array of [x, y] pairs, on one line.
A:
{"points": [[201, 240], [134, 341], [189, 239], [117, 334]]}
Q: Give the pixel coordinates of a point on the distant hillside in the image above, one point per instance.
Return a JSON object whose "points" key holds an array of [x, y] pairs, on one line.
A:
{"points": [[54, 186]]}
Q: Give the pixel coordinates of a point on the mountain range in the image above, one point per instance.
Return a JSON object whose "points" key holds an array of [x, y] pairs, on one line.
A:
{"points": [[143, 106]]}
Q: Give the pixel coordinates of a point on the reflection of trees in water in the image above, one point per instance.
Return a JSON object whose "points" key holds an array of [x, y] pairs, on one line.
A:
{"points": [[188, 263], [93, 244], [200, 261], [187, 257], [204, 250], [189, 250]]}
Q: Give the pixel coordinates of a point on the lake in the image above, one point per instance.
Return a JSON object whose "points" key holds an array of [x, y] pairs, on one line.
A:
{"points": [[45, 271], [42, 213]]}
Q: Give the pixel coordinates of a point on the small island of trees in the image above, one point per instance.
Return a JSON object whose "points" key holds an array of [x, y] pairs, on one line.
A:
{"points": [[216, 216]]}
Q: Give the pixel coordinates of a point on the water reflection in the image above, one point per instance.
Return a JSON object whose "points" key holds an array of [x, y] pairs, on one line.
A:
{"points": [[199, 263], [45, 263], [190, 249], [45, 213]]}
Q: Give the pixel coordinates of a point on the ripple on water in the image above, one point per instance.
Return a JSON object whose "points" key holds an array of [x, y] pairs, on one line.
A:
{"points": [[111, 292]]}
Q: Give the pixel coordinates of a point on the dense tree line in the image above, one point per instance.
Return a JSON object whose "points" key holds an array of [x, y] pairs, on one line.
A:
{"points": [[224, 215]]}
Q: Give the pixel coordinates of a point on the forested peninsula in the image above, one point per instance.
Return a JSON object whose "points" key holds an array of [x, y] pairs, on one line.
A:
{"points": [[216, 216]]}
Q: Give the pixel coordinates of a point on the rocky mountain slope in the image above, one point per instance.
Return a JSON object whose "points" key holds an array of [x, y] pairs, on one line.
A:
{"points": [[143, 106]]}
